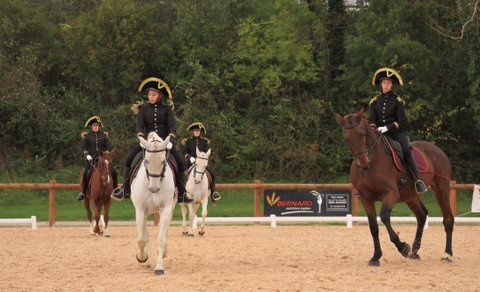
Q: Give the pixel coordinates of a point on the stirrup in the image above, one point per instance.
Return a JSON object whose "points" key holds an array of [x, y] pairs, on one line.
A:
{"points": [[117, 194], [216, 196], [420, 186], [81, 197]]}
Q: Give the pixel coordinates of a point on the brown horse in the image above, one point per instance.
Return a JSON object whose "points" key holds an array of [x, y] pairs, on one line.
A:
{"points": [[374, 175], [99, 189]]}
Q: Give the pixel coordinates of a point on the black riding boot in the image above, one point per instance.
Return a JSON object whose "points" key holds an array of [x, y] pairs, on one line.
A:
{"points": [[81, 196], [124, 192], [420, 186], [182, 197]]}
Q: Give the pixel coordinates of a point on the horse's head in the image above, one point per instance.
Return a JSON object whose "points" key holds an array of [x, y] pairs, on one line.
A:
{"points": [[356, 132], [201, 165], [105, 165], [155, 159]]}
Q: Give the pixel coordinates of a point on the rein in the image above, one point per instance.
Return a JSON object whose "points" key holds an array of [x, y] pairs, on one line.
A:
{"points": [[199, 172]]}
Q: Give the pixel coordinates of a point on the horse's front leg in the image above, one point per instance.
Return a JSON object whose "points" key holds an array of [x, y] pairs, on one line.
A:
{"points": [[191, 216], [106, 216], [96, 212], [86, 204], [165, 217], [386, 212], [142, 235], [204, 215], [184, 218], [369, 206]]}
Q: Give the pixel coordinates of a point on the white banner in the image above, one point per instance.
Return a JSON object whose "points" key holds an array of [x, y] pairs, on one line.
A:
{"points": [[476, 199]]}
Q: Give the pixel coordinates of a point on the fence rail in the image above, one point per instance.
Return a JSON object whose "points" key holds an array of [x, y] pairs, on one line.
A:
{"points": [[257, 186]]}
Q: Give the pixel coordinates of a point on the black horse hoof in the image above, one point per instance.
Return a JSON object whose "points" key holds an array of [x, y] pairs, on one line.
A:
{"points": [[201, 233], [414, 256], [140, 261], [406, 250], [374, 263], [159, 272], [447, 260], [184, 233]]}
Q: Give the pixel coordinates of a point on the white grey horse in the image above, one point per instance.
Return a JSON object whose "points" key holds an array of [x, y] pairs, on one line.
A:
{"points": [[197, 189], [153, 190]]}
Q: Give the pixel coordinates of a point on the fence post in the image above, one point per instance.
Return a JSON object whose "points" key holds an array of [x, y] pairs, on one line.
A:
{"points": [[453, 197], [52, 212], [257, 198], [354, 202]]}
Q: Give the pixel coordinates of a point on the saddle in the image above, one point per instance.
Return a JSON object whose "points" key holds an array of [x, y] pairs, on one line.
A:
{"points": [[136, 162], [209, 176], [395, 150]]}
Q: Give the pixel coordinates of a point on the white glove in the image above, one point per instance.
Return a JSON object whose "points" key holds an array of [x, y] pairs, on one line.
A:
{"points": [[192, 160], [89, 158], [382, 129], [169, 145]]}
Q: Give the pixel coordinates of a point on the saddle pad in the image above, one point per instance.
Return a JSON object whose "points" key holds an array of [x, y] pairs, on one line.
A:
{"points": [[419, 158]]}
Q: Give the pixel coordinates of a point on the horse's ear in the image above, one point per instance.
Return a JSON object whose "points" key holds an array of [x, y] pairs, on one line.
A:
{"points": [[113, 152], [143, 142], [351, 110], [339, 119], [361, 113], [209, 152]]}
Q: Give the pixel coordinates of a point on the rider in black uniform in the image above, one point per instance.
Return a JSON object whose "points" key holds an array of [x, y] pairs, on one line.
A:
{"points": [[94, 143], [387, 112], [190, 145], [155, 115]]}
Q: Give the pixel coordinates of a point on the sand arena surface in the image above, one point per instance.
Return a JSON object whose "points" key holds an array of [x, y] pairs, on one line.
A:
{"points": [[238, 258]]}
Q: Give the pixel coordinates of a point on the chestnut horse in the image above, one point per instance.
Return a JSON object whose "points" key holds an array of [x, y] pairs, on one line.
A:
{"points": [[374, 175], [99, 189]]}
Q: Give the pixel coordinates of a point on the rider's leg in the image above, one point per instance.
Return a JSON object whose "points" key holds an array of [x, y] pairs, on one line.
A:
{"points": [[420, 186], [125, 191], [85, 180], [214, 195], [182, 198]]}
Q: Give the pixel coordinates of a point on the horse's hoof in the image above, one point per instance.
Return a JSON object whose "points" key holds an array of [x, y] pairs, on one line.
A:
{"points": [[201, 233], [406, 250], [159, 272], [140, 261], [374, 263], [190, 235], [184, 233], [106, 235], [414, 256], [447, 259]]}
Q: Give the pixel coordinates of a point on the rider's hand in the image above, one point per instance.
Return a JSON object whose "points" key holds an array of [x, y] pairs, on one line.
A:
{"points": [[192, 160], [89, 158], [382, 129]]}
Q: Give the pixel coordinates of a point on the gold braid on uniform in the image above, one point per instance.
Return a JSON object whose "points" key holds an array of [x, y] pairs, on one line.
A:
{"points": [[184, 141], [83, 134], [399, 99], [372, 101], [136, 107]]}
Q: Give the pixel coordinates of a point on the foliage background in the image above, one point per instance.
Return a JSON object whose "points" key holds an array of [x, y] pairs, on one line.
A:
{"points": [[264, 76]]}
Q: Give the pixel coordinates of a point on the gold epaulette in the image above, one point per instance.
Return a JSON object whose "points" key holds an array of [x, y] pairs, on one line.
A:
{"points": [[208, 141], [372, 100], [106, 134], [399, 99], [136, 107], [184, 141], [83, 134]]}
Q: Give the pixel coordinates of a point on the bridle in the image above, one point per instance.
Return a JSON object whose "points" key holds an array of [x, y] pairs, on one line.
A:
{"points": [[162, 173], [369, 149], [199, 172]]}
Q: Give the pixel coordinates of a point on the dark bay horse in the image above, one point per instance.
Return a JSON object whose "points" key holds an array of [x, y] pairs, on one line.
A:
{"points": [[374, 175], [99, 189]]}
